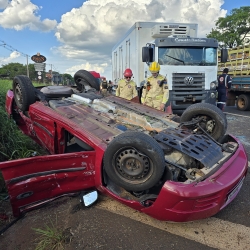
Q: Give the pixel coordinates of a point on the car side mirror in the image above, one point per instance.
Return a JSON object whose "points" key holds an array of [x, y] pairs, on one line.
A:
{"points": [[88, 199]]}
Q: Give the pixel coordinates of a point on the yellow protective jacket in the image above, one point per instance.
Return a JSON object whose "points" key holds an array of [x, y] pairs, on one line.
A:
{"points": [[153, 91], [126, 90]]}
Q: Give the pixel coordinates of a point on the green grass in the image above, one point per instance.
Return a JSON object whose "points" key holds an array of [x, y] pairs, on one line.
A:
{"points": [[51, 237], [13, 144]]}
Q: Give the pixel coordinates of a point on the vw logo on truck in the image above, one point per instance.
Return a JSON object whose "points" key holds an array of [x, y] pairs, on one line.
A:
{"points": [[189, 80]]}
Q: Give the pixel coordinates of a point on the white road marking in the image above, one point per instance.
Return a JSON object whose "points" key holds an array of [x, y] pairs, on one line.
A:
{"points": [[236, 115], [212, 232]]}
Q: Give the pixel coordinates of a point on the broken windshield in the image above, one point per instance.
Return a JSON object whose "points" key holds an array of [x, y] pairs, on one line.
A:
{"points": [[187, 56]]}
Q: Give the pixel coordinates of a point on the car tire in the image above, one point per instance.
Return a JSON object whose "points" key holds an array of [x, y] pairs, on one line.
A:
{"points": [[243, 102], [86, 77], [24, 92], [134, 161], [215, 123]]}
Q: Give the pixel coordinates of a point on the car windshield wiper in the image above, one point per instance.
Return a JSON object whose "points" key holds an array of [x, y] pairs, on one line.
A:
{"points": [[176, 59]]}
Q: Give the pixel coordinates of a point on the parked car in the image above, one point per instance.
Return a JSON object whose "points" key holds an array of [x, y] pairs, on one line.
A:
{"points": [[171, 168]]}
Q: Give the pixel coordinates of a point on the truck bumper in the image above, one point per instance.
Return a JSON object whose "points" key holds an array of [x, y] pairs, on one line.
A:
{"points": [[180, 103]]}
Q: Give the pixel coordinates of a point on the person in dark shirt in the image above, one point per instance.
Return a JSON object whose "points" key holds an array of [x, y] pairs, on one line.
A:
{"points": [[224, 83], [110, 86]]}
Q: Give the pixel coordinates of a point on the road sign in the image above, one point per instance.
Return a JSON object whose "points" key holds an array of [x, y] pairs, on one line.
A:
{"points": [[39, 66], [38, 58]]}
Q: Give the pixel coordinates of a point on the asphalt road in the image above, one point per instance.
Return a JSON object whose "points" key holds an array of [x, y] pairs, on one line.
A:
{"points": [[234, 110]]}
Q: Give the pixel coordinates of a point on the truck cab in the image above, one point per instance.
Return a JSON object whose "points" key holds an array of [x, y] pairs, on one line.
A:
{"points": [[189, 65]]}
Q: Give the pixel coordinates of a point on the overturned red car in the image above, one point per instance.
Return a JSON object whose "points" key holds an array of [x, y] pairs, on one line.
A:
{"points": [[171, 168]]}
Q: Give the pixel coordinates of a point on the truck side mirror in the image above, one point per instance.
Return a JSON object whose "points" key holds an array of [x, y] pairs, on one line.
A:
{"points": [[147, 54], [223, 55]]}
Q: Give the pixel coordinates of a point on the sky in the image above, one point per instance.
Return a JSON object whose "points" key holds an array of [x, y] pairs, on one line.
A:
{"points": [[77, 34]]}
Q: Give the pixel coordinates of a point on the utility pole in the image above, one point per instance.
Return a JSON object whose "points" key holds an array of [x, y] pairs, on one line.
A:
{"points": [[51, 75], [27, 65]]}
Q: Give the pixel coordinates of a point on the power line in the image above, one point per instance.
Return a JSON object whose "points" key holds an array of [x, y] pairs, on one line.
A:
{"points": [[10, 48]]}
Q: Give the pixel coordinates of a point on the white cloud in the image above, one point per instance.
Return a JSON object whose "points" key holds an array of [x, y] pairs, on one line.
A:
{"points": [[88, 33], [87, 66], [3, 4], [20, 14], [91, 31], [13, 55]]}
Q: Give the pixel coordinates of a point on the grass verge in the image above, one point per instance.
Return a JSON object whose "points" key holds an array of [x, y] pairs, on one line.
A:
{"points": [[52, 238]]}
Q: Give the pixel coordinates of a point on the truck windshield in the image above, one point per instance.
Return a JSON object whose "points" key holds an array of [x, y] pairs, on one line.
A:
{"points": [[187, 56]]}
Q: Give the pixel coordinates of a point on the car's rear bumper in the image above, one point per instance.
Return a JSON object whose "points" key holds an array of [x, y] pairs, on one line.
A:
{"points": [[180, 202]]}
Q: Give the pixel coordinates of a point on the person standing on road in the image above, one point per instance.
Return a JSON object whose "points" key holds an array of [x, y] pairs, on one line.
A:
{"points": [[110, 86], [224, 83], [104, 87], [126, 87], [155, 91]]}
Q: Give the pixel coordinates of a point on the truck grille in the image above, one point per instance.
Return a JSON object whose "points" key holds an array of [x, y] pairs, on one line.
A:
{"points": [[188, 88]]}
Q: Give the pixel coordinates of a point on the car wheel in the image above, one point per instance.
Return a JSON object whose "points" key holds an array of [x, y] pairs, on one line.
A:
{"points": [[214, 120], [134, 161], [243, 102], [24, 92], [82, 77]]}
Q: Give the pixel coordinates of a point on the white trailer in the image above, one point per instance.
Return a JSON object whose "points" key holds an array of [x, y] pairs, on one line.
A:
{"points": [[127, 53], [189, 63]]}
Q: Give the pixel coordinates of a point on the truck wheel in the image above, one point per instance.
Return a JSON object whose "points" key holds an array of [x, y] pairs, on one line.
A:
{"points": [[134, 161], [24, 92], [243, 102], [83, 76], [215, 121]]}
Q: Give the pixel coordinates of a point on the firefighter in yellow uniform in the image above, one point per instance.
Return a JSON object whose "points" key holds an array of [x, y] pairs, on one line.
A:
{"points": [[126, 87], [155, 91]]}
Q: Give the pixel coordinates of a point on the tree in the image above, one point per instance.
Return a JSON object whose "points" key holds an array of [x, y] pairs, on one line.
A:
{"points": [[232, 29], [14, 69], [67, 79], [32, 72]]}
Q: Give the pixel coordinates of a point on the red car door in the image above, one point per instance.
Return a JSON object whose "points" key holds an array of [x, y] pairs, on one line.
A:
{"points": [[34, 181], [43, 127]]}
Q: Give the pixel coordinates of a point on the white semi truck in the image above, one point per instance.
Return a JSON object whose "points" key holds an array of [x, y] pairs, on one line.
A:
{"points": [[189, 63]]}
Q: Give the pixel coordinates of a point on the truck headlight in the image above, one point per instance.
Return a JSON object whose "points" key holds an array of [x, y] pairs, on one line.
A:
{"points": [[213, 84], [212, 95]]}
